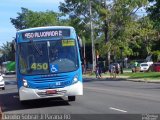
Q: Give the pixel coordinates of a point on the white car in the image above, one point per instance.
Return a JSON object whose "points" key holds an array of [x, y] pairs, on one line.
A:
{"points": [[2, 83], [145, 66]]}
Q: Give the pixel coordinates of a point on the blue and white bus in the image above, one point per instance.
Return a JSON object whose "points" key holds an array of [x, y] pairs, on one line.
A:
{"points": [[48, 63]]}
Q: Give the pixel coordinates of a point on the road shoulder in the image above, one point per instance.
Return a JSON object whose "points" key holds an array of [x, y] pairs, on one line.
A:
{"points": [[124, 78]]}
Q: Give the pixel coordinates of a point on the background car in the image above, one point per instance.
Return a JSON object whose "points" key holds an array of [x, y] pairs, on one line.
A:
{"points": [[2, 83], [156, 67], [145, 66]]}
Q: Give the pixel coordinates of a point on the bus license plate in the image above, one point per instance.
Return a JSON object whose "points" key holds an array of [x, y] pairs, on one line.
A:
{"points": [[51, 91]]}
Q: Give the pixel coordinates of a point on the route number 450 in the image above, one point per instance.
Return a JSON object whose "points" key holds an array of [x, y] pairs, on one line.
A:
{"points": [[39, 66]]}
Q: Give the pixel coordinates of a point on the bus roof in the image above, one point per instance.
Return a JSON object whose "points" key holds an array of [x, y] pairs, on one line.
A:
{"points": [[46, 27]]}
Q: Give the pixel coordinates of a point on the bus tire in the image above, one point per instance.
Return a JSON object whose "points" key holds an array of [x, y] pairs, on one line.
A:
{"points": [[71, 98]]}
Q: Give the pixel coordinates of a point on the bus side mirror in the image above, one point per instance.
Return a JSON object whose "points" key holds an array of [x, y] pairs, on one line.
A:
{"points": [[80, 47], [79, 42]]}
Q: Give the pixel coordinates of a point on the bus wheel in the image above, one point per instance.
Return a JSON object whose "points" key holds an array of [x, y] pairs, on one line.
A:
{"points": [[3, 88], [71, 98]]}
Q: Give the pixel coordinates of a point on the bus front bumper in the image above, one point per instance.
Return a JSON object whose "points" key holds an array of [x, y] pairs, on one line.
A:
{"points": [[31, 94]]}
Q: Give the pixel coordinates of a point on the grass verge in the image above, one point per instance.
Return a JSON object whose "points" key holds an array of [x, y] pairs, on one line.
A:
{"points": [[138, 75], [144, 75]]}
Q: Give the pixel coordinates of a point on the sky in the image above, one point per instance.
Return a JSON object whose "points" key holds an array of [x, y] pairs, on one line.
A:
{"points": [[10, 8]]}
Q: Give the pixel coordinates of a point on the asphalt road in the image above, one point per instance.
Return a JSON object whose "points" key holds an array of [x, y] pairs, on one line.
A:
{"points": [[111, 98]]}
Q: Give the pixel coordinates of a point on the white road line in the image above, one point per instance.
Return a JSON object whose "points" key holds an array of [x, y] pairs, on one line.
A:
{"points": [[131, 94], [118, 109]]}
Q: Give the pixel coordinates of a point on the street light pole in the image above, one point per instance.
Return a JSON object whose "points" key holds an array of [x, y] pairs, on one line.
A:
{"points": [[92, 38]]}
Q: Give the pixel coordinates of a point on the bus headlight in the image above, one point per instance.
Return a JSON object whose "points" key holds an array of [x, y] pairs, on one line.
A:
{"points": [[25, 84], [75, 79]]}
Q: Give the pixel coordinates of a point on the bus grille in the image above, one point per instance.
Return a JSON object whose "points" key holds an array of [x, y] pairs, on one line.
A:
{"points": [[50, 82], [51, 79]]}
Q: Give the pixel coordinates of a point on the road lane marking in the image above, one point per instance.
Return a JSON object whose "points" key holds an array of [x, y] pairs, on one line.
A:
{"points": [[120, 110], [132, 94]]}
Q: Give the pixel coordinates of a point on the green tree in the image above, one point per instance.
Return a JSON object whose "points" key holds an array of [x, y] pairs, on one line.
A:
{"points": [[79, 15], [156, 56], [111, 21], [28, 19], [7, 51], [122, 25], [139, 37], [154, 12]]}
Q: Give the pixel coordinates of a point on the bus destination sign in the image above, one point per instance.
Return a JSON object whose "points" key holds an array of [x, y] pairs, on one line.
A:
{"points": [[46, 34]]}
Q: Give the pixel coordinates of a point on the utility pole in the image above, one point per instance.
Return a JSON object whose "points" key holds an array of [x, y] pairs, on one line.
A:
{"points": [[92, 38]]}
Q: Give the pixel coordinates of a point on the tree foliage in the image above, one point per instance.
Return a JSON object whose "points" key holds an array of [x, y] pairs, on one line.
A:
{"points": [[115, 22], [7, 51], [154, 12], [28, 19]]}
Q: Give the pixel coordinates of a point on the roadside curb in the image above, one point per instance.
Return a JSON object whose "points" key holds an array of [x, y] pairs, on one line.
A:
{"points": [[127, 79], [144, 80]]}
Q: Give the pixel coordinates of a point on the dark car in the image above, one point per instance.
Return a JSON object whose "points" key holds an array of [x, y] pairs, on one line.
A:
{"points": [[156, 67]]}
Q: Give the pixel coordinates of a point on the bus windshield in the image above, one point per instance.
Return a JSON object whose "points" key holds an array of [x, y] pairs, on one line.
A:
{"points": [[46, 57]]}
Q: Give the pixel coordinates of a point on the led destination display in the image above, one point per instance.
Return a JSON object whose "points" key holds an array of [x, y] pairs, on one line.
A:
{"points": [[46, 34]]}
